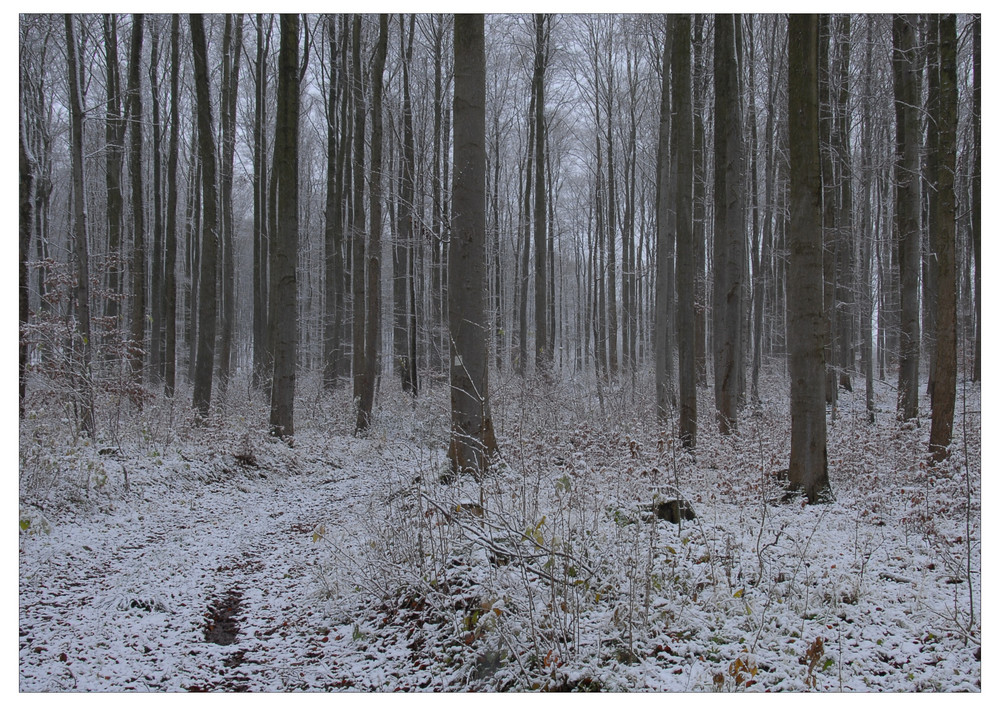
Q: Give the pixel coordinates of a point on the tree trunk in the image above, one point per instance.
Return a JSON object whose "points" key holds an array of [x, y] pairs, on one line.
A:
{"points": [[283, 283], [681, 45], [170, 255], [977, 197], [138, 314], [80, 252], [114, 136], [729, 248], [358, 217], [261, 363], [543, 355], [207, 291], [906, 83], [665, 185], [946, 118], [373, 319], [232, 47], [473, 443], [807, 326], [26, 198], [156, 279]]}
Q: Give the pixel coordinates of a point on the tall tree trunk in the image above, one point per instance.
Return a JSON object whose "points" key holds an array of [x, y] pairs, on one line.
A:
{"points": [[337, 148], [807, 326], [943, 399], [138, 314], [699, 205], [404, 333], [525, 216], [867, 232], [156, 279], [665, 185], [906, 83], [207, 290], [681, 45], [26, 198], [232, 47], [358, 217], [261, 219], [283, 285], [80, 251], [473, 443], [977, 197], [114, 136], [373, 319], [730, 248], [829, 209], [846, 245], [170, 255], [543, 355]]}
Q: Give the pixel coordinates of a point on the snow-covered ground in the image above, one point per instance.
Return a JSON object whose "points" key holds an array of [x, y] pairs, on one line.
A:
{"points": [[168, 557]]}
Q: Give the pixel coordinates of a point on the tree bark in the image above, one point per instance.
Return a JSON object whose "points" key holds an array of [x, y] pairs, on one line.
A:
{"points": [[977, 197], [473, 442], [943, 396], [681, 45], [156, 278], [137, 351], [373, 319], [906, 83], [26, 198], [170, 254], [207, 290], [807, 326], [729, 248], [232, 47], [114, 136], [284, 284], [81, 253], [543, 354]]}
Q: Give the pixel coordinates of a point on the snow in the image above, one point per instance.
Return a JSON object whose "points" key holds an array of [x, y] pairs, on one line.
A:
{"points": [[345, 565]]}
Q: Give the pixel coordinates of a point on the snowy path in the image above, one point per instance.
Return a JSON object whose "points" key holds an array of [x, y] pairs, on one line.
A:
{"points": [[130, 600]]}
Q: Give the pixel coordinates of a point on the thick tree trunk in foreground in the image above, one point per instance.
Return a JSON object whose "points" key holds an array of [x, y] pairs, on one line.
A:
{"points": [[473, 443], [284, 287], [944, 374], [807, 324], [207, 291], [730, 248], [906, 82]]}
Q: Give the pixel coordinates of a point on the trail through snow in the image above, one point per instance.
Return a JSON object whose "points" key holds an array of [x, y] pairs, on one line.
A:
{"points": [[124, 601]]}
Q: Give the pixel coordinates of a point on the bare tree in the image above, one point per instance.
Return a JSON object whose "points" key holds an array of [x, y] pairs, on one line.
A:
{"points": [[906, 83], [730, 247], [81, 254], [373, 319], [807, 471], [943, 235], [207, 302], [170, 255], [284, 282], [681, 71], [473, 443], [26, 198], [134, 115]]}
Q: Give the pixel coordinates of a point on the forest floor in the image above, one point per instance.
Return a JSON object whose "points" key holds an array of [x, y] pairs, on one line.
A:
{"points": [[170, 557]]}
